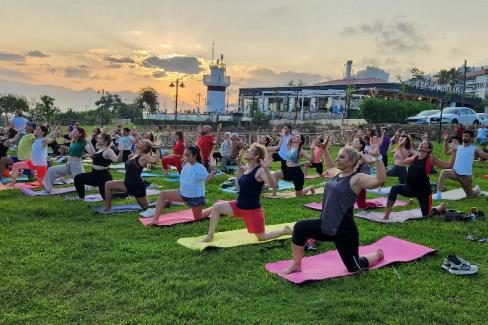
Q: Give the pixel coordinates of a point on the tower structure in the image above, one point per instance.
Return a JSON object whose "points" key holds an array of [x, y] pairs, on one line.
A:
{"points": [[216, 83]]}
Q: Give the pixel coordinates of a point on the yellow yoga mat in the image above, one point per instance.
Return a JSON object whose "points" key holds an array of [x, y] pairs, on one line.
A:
{"points": [[291, 195], [231, 238]]}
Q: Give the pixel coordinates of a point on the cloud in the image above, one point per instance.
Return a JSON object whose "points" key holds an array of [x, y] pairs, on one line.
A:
{"points": [[5, 56], [159, 74], [52, 70], [114, 66], [119, 59], [183, 64], [397, 35], [13, 73], [262, 76], [76, 72], [37, 54]]}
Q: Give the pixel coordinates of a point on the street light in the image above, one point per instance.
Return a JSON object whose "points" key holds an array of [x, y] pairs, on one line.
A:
{"points": [[173, 85], [103, 92]]}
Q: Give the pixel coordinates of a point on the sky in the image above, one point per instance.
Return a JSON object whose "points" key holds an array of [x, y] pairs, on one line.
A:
{"points": [[121, 45]]}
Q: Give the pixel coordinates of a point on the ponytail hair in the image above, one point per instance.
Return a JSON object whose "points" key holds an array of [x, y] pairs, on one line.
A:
{"points": [[195, 151]]}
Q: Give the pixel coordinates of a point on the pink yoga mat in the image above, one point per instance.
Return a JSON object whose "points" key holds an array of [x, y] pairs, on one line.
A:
{"points": [[56, 191], [19, 186], [329, 265], [172, 218], [373, 203]]}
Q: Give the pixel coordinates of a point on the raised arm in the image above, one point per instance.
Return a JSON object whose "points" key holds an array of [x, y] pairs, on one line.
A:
{"points": [[212, 164], [264, 174], [446, 144], [110, 154], [481, 153], [89, 148], [367, 181]]}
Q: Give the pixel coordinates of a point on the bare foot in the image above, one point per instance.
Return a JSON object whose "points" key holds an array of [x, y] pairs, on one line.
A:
{"points": [[386, 218], [207, 239], [380, 253], [154, 221], [442, 207], [292, 269], [288, 230]]}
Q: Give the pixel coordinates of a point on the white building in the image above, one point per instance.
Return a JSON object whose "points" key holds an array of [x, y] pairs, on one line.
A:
{"points": [[216, 83]]}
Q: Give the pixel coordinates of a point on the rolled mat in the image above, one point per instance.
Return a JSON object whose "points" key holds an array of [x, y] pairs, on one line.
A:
{"points": [[231, 238], [282, 185], [56, 191], [381, 191], [329, 265], [117, 166], [291, 195], [456, 194], [168, 219], [371, 204], [395, 217], [147, 174], [120, 209]]}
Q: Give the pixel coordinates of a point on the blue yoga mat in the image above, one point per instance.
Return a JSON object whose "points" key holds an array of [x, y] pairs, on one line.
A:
{"points": [[6, 180]]}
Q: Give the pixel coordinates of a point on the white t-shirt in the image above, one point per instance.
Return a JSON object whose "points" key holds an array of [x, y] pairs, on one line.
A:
{"points": [[192, 180], [20, 123], [39, 153], [482, 133], [463, 165], [283, 152]]}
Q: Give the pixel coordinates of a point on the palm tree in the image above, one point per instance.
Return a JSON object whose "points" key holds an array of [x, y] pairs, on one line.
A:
{"points": [[448, 77]]}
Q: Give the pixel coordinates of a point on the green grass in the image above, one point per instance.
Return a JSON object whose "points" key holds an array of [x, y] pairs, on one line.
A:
{"points": [[61, 263]]}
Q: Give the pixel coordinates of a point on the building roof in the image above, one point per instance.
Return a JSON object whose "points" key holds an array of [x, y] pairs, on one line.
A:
{"points": [[347, 82], [474, 74]]}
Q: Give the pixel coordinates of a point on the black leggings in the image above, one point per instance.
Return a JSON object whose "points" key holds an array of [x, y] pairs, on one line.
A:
{"points": [[425, 200], [346, 240], [295, 175], [400, 172], [93, 178]]}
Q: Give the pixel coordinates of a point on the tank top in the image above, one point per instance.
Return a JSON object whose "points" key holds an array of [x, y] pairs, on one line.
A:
{"points": [[250, 191], [398, 156], [418, 176], [317, 154], [293, 157], [39, 153], [338, 203], [463, 165], [76, 149], [133, 171], [99, 160]]}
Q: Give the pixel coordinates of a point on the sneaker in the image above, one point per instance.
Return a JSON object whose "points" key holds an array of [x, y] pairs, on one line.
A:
{"points": [[458, 266], [311, 245], [438, 196], [477, 190]]}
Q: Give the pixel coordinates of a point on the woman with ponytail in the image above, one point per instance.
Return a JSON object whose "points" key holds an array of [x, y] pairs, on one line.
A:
{"points": [[193, 178]]}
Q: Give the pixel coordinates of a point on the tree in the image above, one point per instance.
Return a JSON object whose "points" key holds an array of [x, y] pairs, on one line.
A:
{"points": [[448, 77], [45, 110], [147, 100], [417, 74], [129, 111], [109, 103], [10, 102]]}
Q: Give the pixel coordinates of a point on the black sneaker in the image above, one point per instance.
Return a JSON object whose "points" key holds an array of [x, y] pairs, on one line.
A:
{"points": [[456, 265]]}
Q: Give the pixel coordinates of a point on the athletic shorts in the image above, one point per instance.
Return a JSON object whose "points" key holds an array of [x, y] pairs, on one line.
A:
{"points": [[254, 219], [137, 190], [295, 175], [319, 167], [193, 202], [40, 170]]}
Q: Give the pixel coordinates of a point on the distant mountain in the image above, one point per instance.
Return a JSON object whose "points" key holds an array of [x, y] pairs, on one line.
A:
{"points": [[66, 98]]}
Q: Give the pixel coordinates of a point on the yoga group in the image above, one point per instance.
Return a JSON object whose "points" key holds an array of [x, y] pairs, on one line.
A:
{"points": [[360, 165]]}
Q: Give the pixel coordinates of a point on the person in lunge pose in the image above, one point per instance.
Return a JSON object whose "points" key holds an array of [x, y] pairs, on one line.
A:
{"points": [[336, 221], [292, 171], [100, 174], [193, 178], [248, 206], [417, 182], [133, 183]]}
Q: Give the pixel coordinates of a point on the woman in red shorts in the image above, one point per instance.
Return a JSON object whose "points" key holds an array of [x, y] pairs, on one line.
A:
{"points": [[248, 206]]}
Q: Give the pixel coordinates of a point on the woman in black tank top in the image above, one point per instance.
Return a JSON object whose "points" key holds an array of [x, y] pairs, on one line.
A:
{"points": [[100, 173], [248, 206], [133, 183], [336, 223], [418, 184]]}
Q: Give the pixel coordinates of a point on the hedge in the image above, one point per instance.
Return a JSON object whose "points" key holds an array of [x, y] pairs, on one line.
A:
{"points": [[376, 110]]}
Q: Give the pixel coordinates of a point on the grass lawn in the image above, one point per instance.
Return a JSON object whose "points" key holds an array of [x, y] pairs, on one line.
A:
{"points": [[62, 263]]}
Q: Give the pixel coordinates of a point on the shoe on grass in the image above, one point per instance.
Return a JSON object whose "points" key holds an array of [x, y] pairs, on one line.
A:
{"points": [[457, 266], [438, 196]]}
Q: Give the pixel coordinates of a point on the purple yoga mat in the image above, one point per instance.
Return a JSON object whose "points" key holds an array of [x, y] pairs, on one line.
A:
{"points": [[98, 197], [329, 265], [378, 203], [56, 191], [172, 218]]}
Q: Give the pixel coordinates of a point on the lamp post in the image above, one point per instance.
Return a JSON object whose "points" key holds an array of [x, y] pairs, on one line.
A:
{"points": [[103, 92], [173, 85]]}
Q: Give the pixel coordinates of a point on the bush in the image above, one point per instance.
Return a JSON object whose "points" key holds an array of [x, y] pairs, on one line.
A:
{"points": [[376, 110]]}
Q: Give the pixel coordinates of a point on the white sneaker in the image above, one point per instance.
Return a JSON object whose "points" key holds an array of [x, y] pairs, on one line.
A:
{"points": [[477, 189], [438, 196], [149, 213]]}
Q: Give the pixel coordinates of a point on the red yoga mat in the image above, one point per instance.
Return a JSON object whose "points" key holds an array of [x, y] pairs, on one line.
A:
{"points": [[172, 218], [329, 265], [485, 176]]}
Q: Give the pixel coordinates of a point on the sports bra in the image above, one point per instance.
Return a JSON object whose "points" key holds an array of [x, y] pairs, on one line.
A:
{"points": [[99, 160]]}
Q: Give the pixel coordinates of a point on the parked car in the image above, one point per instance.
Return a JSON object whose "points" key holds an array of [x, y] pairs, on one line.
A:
{"points": [[456, 115], [422, 117], [483, 118]]}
